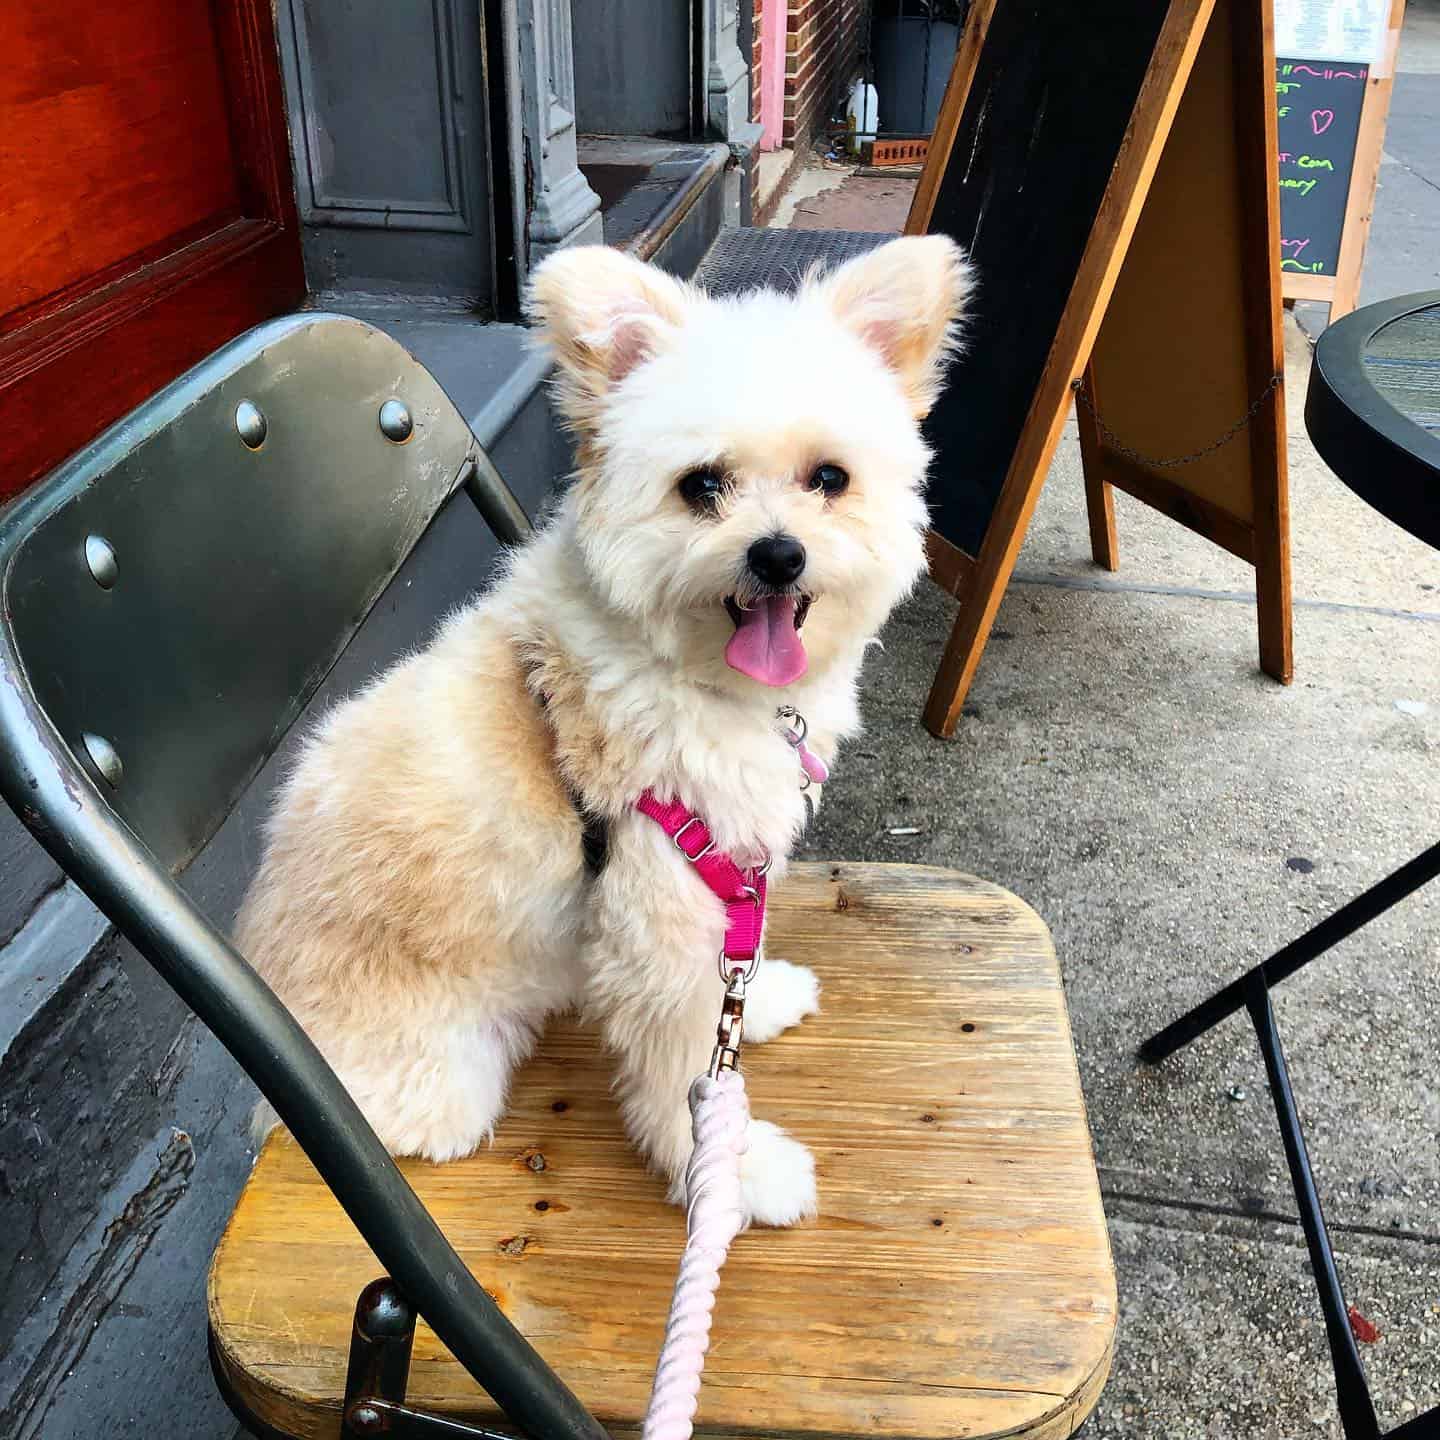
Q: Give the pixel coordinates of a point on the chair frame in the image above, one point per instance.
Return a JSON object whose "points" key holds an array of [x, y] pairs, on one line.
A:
{"points": [[64, 804]]}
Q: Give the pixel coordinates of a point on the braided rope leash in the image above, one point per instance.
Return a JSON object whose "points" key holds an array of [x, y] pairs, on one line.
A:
{"points": [[715, 1215], [720, 1112]]}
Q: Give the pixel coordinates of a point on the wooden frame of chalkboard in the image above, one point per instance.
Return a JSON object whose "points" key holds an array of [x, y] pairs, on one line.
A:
{"points": [[1047, 148], [1302, 275], [1214, 175]]}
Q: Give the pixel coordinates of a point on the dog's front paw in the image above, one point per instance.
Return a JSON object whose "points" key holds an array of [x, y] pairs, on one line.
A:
{"points": [[777, 1177], [783, 995]]}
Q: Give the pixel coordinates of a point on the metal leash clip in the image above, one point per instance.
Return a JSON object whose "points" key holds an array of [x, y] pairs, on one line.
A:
{"points": [[726, 1055]]}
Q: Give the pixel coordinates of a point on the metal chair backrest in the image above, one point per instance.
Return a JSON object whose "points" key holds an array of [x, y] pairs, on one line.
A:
{"points": [[170, 599], [177, 591]]}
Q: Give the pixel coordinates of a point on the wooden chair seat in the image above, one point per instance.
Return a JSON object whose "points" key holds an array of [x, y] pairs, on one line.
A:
{"points": [[957, 1283]]}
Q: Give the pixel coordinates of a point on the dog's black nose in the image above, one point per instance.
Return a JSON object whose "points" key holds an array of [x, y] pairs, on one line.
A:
{"points": [[777, 560]]}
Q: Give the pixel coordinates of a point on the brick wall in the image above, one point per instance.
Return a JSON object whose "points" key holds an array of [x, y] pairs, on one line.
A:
{"points": [[824, 41], [823, 51]]}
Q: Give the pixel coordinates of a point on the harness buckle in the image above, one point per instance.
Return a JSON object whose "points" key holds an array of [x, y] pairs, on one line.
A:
{"points": [[699, 855]]}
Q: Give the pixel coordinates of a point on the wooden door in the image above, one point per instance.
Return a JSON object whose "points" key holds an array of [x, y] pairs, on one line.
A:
{"points": [[146, 208]]}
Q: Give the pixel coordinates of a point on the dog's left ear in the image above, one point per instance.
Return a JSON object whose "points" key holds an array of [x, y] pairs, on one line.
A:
{"points": [[602, 313], [905, 299]]}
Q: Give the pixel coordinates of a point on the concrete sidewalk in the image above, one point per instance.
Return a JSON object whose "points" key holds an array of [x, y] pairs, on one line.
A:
{"points": [[1175, 816]]}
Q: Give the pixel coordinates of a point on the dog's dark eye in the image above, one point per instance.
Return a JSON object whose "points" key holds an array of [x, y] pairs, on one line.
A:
{"points": [[702, 489], [829, 480]]}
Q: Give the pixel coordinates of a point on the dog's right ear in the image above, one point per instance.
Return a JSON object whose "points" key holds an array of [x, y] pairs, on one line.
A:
{"points": [[904, 299], [601, 313]]}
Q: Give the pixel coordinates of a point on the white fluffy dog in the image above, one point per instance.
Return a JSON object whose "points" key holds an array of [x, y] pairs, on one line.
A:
{"points": [[746, 511]]}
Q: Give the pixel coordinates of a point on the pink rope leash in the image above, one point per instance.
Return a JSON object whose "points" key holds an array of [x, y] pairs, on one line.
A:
{"points": [[720, 1114]]}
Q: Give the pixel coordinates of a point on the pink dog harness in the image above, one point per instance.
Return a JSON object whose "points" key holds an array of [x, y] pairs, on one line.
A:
{"points": [[741, 890]]}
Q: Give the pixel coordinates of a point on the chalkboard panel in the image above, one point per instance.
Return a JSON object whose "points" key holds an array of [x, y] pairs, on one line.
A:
{"points": [[1319, 106], [1048, 105], [1054, 153]]}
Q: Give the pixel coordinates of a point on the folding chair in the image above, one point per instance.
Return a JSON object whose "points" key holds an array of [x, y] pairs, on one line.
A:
{"points": [[169, 602]]}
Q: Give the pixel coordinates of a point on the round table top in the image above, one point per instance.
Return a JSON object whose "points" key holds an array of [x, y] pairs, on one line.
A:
{"points": [[1373, 408]]}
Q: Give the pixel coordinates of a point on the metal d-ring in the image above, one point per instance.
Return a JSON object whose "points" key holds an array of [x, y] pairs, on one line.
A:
{"points": [[799, 730], [729, 970]]}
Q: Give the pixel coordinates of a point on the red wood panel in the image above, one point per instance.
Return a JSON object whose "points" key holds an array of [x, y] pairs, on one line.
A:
{"points": [[123, 117], [146, 207]]}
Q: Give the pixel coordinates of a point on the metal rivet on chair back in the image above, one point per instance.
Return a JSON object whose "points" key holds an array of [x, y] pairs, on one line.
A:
{"points": [[178, 591]]}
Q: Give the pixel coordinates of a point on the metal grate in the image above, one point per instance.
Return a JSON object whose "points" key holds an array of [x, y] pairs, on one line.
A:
{"points": [[746, 259]]}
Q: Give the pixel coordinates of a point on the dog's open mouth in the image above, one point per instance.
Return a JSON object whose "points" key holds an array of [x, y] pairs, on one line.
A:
{"points": [[766, 644]]}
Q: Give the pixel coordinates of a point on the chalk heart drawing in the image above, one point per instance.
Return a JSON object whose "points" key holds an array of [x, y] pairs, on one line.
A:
{"points": [[1321, 120]]}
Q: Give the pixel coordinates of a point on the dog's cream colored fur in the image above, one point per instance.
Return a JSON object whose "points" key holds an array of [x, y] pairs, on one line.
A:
{"points": [[423, 905]]}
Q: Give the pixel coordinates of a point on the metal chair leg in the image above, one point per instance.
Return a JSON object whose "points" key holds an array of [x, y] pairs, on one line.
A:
{"points": [[1357, 1413], [380, 1345], [379, 1370], [1297, 954]]}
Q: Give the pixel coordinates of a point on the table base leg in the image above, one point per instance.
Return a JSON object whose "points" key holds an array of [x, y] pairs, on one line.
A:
{"points": [[1357, 1414], [1297, 954]]}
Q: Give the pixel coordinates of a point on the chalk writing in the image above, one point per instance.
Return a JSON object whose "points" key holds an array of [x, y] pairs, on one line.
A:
{"points": [[1289, 67], [1319, 122]]}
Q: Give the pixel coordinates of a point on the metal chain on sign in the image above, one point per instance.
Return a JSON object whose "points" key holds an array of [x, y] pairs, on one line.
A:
{"points": [[1155, 462]]}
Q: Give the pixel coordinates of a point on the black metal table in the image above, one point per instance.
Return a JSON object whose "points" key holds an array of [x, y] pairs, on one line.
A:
{"points": [[1373, 412]]}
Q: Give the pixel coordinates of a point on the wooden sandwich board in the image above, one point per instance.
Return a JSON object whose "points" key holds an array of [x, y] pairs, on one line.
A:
{"points": [[1334, 72], [1051, 139]]}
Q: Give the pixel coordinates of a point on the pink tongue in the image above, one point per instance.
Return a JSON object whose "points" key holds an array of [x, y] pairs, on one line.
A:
{"points": [[766, 645]]}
